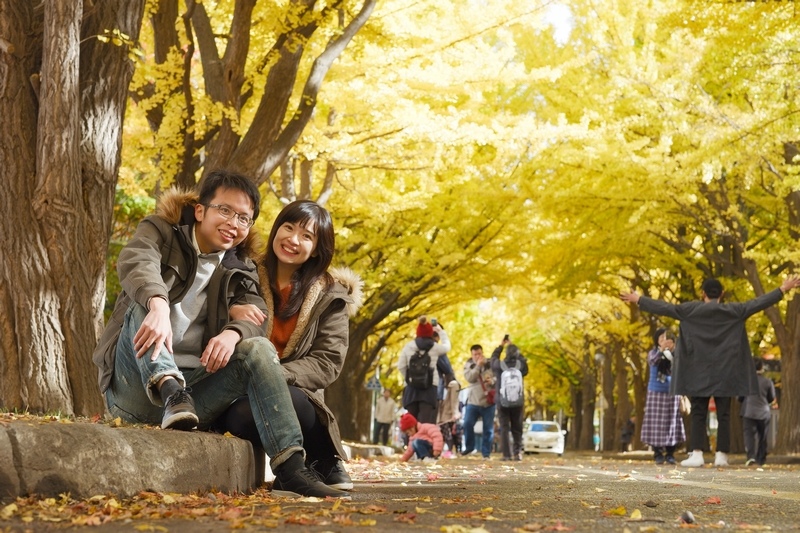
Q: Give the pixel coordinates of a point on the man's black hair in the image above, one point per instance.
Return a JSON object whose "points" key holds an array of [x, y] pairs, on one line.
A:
{"points": [[712, 288], [226, 179], [475, 347]]}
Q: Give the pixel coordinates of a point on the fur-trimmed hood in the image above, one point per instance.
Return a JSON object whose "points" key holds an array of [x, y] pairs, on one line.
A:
{"points": [[354, 285], [347, 287], [176, 206]]}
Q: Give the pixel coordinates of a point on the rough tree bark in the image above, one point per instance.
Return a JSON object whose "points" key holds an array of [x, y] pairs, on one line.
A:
{"points": [[62, 99]]}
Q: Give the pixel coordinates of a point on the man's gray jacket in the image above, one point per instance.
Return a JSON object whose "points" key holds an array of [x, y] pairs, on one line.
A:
{"points": [[712, 356]]}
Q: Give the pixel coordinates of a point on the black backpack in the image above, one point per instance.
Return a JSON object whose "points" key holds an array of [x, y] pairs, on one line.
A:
{"points": [[419, 373]]}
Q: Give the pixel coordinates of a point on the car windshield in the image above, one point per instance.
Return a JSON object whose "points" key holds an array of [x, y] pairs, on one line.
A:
{"points": [[544, 426]]}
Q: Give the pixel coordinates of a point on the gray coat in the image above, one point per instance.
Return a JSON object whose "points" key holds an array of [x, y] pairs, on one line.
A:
{"points": [[757, 406], [712, 357]]}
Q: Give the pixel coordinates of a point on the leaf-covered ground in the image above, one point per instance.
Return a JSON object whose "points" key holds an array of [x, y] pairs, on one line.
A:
{"points": [[579, 492]]}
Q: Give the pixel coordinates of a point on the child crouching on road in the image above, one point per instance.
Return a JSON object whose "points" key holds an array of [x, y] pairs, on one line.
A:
{"points": [[424, 440]]}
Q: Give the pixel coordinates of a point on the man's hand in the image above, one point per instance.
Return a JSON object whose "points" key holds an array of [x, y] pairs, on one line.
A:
{"points": [[632, 297], [248, 312], [790, 283], [156, 330], [219, 350]]}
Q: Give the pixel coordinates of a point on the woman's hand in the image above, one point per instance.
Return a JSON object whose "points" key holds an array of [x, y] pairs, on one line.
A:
{"points": [[248, 312]]}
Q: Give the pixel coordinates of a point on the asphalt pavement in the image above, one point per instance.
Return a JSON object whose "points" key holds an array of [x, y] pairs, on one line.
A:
{"points": [[577, 492]]}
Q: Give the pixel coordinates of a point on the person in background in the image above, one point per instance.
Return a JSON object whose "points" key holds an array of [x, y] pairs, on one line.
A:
{"points": [[626, 435], [385, 410], [511, 404], [309, 305], [171, 355], [447, 409], [448, 414], [712, 357], [424, 440], [443, 366], [480, 404], [662, 426], [422, 403], [756, 412]]}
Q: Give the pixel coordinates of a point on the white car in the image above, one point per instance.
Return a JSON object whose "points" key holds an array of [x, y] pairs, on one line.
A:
{"points": [[544, 436]]}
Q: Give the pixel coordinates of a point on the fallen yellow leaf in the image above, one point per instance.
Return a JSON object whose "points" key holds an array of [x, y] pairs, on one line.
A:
{"points": [[8, 511]]}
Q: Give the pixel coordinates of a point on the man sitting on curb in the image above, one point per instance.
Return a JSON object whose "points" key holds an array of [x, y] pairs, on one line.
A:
{"points": [[180, 273]]}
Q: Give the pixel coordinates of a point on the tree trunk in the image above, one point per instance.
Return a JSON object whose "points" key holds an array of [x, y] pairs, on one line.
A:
{"points": [[59, 149], [588, 406], [351, 402], [788, 437], [640, 378], [607, 439], [624, 409], [576, 400]]}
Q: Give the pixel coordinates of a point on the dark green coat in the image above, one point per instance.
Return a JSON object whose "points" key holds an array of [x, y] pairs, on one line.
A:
{"points": [[712, 356]]}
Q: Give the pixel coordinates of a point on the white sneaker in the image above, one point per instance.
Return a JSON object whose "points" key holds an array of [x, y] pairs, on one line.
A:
{"points": [[721, 459], [429, 460], [695, 459]]}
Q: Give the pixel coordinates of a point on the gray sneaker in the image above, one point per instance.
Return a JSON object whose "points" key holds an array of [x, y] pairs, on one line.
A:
{"points": [[179, 412]]}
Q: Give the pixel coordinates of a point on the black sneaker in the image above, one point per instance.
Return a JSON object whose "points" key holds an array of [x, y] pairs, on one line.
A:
{"points": [[303, 482], [333, 474], [179, 412]]}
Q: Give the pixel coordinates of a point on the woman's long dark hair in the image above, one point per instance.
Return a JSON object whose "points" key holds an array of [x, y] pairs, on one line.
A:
{"points": [[302, 212]]}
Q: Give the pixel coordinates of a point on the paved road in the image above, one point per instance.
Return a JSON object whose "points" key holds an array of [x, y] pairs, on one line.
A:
{"points": [[540, 493]]}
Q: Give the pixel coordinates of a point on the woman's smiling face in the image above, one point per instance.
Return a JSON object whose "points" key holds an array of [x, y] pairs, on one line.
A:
{"points": [[294, 243]]}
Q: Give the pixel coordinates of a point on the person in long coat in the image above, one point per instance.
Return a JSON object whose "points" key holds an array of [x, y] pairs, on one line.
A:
{"points": [[422, 403], [712, 357]]}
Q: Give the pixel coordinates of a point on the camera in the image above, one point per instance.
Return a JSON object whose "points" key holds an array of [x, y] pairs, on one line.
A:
{"points": [[434, 322], [506, 337]]}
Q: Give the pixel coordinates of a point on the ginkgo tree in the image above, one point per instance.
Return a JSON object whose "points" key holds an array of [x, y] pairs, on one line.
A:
{"points": [[464, 151], [677, 161], [64, 73]]}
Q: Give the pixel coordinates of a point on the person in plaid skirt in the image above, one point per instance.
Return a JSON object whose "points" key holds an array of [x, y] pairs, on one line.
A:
{"points": [[662, 427]]}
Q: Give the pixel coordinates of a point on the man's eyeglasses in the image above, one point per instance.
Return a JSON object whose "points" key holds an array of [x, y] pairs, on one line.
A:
{"points": [[243, 220]]}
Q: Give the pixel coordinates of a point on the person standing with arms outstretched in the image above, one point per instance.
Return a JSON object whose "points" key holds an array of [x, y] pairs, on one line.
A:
{"points": [[712, 358]]}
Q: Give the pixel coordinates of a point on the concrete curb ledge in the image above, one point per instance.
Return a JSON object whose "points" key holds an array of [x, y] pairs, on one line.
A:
{"points": [[85, 460], [366, 451]]}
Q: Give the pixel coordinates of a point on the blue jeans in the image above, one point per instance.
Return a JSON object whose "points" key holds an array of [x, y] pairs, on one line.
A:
{"points": [[253, 370], [471, 414], [422, 448]]}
